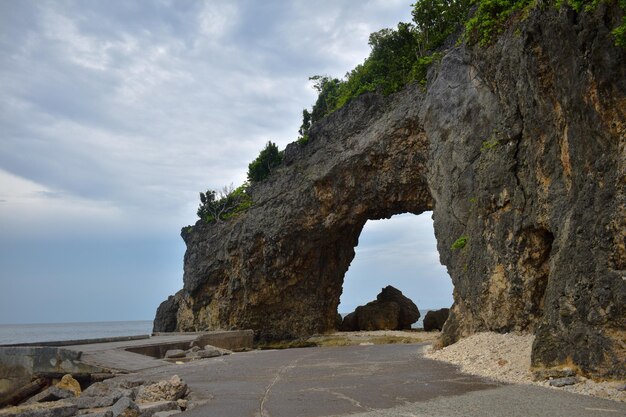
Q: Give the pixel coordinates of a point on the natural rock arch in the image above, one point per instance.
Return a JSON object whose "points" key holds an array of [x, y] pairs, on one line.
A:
{"points": [[279, 268], [518, 147]]}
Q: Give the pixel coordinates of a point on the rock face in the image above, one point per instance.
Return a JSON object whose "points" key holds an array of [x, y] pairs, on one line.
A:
{"points": [[528, 161], [279, 267], [390, 311], [519, 148], [435, 319]]}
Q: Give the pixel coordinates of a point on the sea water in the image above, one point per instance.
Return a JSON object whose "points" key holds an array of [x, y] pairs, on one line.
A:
{"points": [[48, 332]]}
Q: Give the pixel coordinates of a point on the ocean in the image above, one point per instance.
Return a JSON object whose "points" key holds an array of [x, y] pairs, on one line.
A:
{"points": [[419, 324], [48, 332]]}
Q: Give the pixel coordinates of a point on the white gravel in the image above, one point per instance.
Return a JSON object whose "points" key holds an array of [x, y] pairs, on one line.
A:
{"points": [[506, 357]]}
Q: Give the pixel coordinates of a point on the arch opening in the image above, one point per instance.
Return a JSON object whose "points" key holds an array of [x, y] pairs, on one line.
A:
{"points": [[402, 252]]}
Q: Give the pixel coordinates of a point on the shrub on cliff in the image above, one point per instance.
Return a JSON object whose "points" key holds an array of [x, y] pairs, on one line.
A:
{"points": [[269, 158], [402, 55], [491, 16], [223, 204], [398, 56]]}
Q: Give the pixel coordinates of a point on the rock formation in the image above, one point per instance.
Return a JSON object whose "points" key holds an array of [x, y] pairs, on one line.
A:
{"points": [[390, 311], [519, 148], [435, 319], [279, 267]]}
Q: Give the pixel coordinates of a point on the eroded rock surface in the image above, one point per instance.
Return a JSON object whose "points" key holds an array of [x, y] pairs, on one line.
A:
{"points": [[519, 148], [528, 161], [278, 268], [390, 311], [435, 319]]}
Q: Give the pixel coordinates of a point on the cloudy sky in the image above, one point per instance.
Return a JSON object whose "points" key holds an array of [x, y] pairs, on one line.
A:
{"points": [[115, 114]]}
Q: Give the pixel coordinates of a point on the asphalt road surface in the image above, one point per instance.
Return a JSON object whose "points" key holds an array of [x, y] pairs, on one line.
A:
{"points": [[377, 380]]}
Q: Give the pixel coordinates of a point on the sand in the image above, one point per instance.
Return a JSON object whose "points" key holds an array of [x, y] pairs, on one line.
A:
{"points": [[506, 357]]}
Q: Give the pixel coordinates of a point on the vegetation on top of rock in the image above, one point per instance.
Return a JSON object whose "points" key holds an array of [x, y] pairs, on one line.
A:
{"points": [[398, 56], [269, 158], [218, 205], [224, 204], [491, 16], [402, 55]]}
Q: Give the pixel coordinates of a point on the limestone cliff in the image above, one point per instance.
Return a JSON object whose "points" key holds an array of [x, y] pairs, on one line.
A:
{"points": [[519, 147], [278, 268]]}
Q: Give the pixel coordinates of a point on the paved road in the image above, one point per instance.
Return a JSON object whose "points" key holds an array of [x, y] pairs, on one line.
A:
{"points": [[384, 380]]}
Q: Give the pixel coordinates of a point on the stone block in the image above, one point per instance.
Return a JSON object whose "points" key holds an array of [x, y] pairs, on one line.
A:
{"points": [[563, 382], [149, 409], [68, 383], [107, 413], [175, 353], [53, 393], [235, 340], [166, 390], [125, 407], [166, 413], [47, 409]]}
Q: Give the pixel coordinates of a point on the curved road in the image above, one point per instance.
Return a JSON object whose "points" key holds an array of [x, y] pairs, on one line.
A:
{"points": [[379, 380]]}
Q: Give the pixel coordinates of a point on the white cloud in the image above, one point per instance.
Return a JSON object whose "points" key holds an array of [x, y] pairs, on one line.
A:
{"points": [[30, 209], [114, 115], [217, 19]]}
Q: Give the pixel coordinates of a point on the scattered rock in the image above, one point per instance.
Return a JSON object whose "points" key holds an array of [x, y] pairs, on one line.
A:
{"points": [[390, 311], [563, 382], [225, 352], [435, 319], [130, 383], [209, 352], [166, 390], [47, 409], [53, 393], [166, 413], [101, 394], [70, 384], [553, 373], [349, 322], [149, 409], [105, 413], [378, 316], [125, 407], [182, 404], [175, 354]]}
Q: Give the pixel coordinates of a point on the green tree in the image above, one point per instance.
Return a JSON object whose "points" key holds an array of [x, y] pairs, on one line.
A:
{"points": [[223, 204], [269, 158], [327, 97], [435, 20], [304, 127]]}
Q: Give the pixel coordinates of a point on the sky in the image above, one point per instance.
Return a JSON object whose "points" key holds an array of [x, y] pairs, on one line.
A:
{"points": [[115, 114]]}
